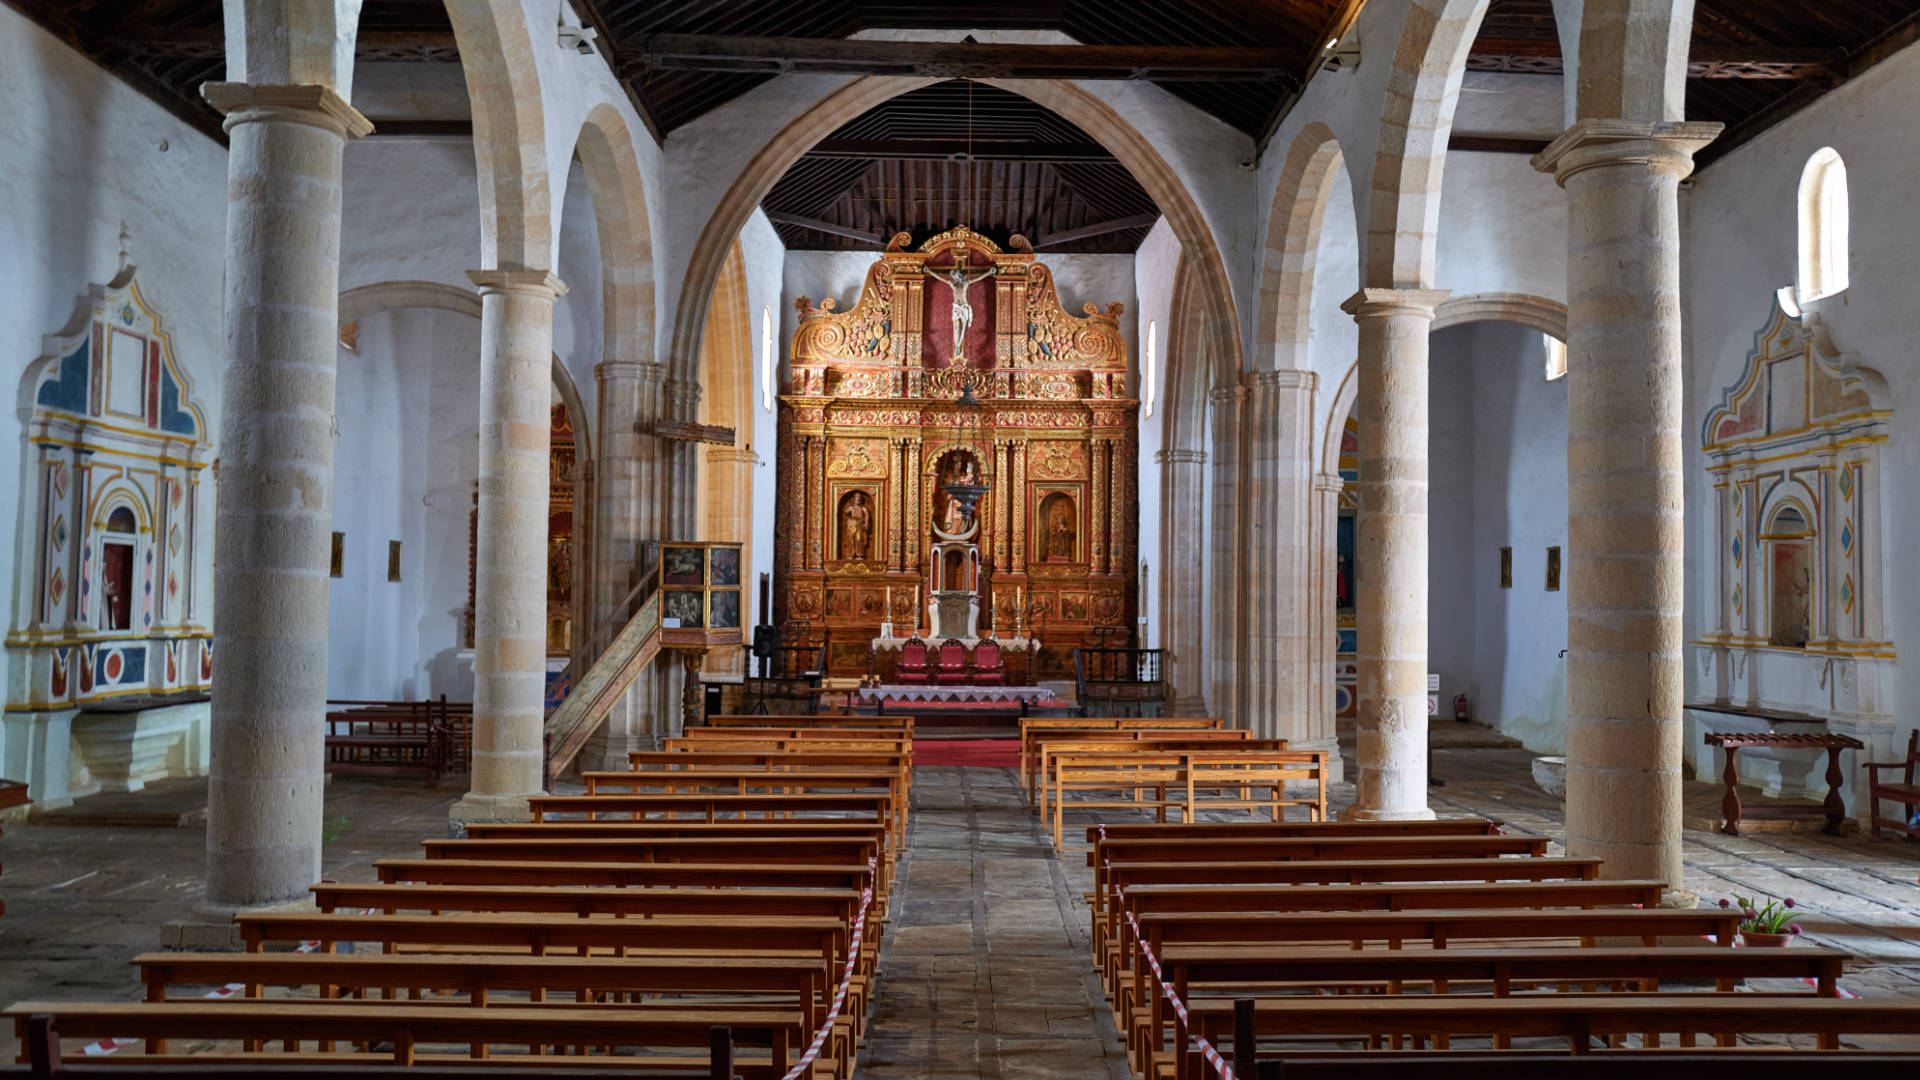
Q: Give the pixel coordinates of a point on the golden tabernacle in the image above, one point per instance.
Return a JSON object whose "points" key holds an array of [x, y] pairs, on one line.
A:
{"points": [[956, 461]]}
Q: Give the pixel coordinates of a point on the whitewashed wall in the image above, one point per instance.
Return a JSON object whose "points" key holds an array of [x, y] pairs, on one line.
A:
{"points": [[1739, 246], [405, 460], [765, 259], [85, 154]]}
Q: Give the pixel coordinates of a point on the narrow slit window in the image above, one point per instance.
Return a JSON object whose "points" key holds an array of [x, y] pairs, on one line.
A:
{"points": [[767, 363], [1824, 225], [1556, 357]]}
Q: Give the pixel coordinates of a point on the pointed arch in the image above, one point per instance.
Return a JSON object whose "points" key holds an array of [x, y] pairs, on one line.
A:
{"points": [[1074, 103], [1545, 315], [1633, 59], [1403, 216], [1314, 162], [619, 195]]}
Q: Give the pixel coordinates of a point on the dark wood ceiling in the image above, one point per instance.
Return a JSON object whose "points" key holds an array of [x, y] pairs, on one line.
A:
{"points": [[1753, 63], [902, 166]]}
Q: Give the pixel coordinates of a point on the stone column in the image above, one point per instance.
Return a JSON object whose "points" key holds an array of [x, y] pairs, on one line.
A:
{"points": [[1390, 552], [1279, 515], [1223, 566], [510, 566], [1183, 586], [624, 479], [264, 804], [1317, 724], [1625, 665]]}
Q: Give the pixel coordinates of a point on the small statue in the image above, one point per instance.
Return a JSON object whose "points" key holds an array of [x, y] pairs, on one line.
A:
{"points": [[856, 527]]}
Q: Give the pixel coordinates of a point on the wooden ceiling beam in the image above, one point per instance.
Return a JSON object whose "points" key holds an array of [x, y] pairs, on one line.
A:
{"points": [[828, 227], [1097, 228], [956, 150], [209, 42], [953, 60], [1702, 56]]}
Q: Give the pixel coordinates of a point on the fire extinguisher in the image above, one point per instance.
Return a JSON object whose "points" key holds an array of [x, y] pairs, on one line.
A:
{"points": [[1460, 712]]}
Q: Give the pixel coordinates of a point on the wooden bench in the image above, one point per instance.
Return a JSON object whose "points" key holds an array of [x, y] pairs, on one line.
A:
{"points": [[1211, 830], [835, 851], [387, 739], [586, 901], [1578, 1019], [1310, 844], [624, 875], [748, 781], [815, 720], [1034, 769], [1031, 726], [700, 759], [407, 1026], [727, 740], [1194, 970], [1754, 1064], [1180, 779]]}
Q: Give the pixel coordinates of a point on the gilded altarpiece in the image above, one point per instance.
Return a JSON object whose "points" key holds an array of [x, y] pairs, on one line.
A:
{"points": [[870, 432]]}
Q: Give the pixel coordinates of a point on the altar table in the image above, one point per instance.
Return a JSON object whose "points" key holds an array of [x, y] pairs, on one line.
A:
{"points": [[1009, 696]]}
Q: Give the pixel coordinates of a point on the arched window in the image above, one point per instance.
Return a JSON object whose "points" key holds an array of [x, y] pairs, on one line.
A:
{"points": [[1150, 369], [767, 364], [1556, 367], [1823, 227]]}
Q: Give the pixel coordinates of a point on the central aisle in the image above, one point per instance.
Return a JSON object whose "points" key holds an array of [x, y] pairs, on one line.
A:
{"points": [[985, 970]]}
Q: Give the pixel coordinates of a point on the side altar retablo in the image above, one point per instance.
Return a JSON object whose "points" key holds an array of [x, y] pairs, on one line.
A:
{"points": [[957, 459]]}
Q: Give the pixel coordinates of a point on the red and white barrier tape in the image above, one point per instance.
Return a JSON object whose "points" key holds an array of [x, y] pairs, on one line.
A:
{"points": [[1206, 1048], [100, 1047], [846, 980]]}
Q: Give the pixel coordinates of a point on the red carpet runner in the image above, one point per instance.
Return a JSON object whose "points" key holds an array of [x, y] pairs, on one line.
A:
{"points": [[974, 753]]}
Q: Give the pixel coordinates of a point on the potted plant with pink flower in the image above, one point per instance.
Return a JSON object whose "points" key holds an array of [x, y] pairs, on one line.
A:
{"points": [[1768, 925]]}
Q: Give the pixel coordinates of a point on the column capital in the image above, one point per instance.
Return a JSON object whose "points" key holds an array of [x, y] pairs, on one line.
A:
{"points": [[727, 455], [640, 370], [1665, 146], [297, 103], [536, 283], [1385, 303], [1328, 484], [1180, 457], [1284, 379], [1221, 395]]}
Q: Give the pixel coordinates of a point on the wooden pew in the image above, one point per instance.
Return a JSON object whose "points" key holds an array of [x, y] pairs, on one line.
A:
{"points": [[815, 720], [1314, 845], [1198, 974], [406, 1026], [1035, 769], [387, 738], [1578, 1019], [1766, 1063], [586, 901], [624, 875], [703, 759], [746, 781], [799, 984], [1210, 830], [1030, 726], [811, 850], [1188, 774], [728, 740]]}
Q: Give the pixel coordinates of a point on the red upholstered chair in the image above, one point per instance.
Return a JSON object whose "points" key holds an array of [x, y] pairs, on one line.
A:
{"points": [[913, 662], [953, 663], [986, 664]]}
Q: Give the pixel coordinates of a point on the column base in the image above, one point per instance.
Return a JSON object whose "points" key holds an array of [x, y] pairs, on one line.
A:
{"points": [[1336, 765], [1679, 898], [608, 753], [1356, 813], [487, 809], [211, 926]]}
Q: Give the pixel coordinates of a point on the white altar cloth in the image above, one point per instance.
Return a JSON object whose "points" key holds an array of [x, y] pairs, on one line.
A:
{"points": [[973, 695], [1011, 644]]}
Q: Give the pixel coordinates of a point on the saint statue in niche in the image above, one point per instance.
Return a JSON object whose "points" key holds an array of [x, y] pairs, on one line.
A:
{"points": [[856, 527], [958, 280], [956, 521], [560, 572], [1060, 529]]}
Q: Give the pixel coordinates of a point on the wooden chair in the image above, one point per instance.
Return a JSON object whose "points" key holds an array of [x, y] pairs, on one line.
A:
{"points": [[987, 669], [952, 670], [1906, 792], [913, 662]]}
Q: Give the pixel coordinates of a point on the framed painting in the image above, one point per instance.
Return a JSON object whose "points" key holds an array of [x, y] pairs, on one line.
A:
{"points": [[683, 565]]}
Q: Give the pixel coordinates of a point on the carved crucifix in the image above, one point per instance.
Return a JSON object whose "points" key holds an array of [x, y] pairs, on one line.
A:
{"points": [[959, 281]]}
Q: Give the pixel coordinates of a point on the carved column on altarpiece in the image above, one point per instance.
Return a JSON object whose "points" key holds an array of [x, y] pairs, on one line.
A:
{"points": [[807, 525], [1017, 497], [1002, 506], [1097, 522], [897, 511], [916, 526], [1120, 483], [817, 473]]}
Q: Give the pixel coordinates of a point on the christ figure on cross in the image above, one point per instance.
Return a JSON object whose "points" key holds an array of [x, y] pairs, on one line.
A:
{"points": [[959, 282]]}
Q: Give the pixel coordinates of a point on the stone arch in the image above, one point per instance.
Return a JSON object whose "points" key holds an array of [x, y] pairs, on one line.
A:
{"points": [[362, 301], [619, 196], [1543, 314], [1293, 243], [1343, 399], [1633, 59], [1075, 103], [725, 487], [1184, 416], [1403, 217], [1184, 483], [292, 42], [509, 134]]}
